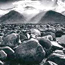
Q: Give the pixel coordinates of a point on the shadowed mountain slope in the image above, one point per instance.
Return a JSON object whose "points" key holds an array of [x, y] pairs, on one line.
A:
{"points": [[12, 17], [42, 17], [52, 17]]}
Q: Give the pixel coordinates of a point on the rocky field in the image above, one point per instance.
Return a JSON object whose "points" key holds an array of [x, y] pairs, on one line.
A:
{"points": [[32, 44]]}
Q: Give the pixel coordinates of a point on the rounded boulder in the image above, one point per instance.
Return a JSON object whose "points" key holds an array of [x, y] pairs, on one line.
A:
{"points": [[30, 52]]}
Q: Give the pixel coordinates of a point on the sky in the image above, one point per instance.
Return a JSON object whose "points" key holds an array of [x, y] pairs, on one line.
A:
{"points": [[31, 7]]}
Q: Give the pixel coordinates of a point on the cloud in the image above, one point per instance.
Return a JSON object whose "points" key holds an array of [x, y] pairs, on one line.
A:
{"points": [[7, 0], [60, 6], [3, 12], [32, 7], [21, 5]]}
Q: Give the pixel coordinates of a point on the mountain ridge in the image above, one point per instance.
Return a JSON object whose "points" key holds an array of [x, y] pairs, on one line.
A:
{"points": [[12, 17], [52, 17], [40, 18]]}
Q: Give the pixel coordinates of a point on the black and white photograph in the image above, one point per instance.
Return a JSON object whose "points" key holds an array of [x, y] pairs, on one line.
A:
{"points": [[32, 32]]}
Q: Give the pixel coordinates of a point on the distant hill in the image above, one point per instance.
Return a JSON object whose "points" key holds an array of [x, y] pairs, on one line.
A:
{"points": [[12, 17], [52, 17]]}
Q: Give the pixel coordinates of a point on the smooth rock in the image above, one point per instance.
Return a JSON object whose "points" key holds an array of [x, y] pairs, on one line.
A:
{"points": [[30, 52]]}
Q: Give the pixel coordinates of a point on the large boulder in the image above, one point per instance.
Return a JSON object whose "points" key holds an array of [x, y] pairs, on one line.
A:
{"points": [[11, 39], [30, 52], [46, 44], [58, 57]]}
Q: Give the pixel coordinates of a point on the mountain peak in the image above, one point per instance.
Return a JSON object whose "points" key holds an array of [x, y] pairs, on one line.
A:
{"points": [[51, 12], [13, 11]]}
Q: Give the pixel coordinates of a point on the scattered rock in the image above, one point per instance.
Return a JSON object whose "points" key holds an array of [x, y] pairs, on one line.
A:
{"points": [[23, 36], [3, 55], [59, 33], [61, 40], [35, 32], [55, 45], [1, 63], [9, 51]]}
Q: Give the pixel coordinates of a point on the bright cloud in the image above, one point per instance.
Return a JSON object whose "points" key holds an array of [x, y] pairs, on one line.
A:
{"points": [[2, 12], [61, 6], [37, 6], [33, 7]]}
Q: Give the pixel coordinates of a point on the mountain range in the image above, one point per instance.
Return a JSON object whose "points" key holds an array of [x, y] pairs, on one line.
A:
{"points": [[42, 18]]}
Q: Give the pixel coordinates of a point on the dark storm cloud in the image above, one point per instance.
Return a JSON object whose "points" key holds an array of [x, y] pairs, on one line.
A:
{"points": [[8, 0]]}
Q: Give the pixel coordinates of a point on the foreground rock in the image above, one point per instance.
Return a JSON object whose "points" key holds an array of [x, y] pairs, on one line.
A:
{"points": [[30, 52], [9, 51], [50, 63], [58, 57], [3, 55], [46, 44]]}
